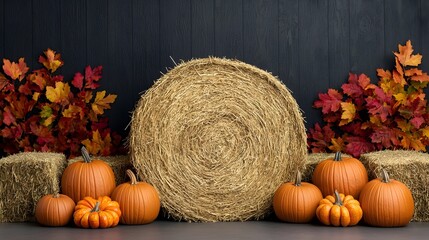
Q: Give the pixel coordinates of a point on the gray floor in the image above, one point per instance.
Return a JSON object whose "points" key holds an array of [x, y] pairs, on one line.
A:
{"points": [[226, 230]]}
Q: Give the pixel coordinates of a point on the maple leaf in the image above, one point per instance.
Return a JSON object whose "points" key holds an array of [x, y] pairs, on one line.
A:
{"points": [[15, 70], [8, 116], [101, 103], [43, 134], [405, 56], [52, 61], [97, 143], [421, 78], [380, 104], [410, 141], [337, 145], [77, 81], [319, 138], [425, 131], [413, 71], [417, 121], [58, 94], [329, 102], [92, 76], [384, 74], [398, 74], [72, 111], [358, 145], [356, 85], [386, 136], [3, 81], [349, 111]]}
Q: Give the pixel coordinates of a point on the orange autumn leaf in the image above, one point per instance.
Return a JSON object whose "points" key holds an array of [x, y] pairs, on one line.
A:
{"points": [[52, 61], [73, 110], [58, 94], [348, 113], [413, 71], [15, 70], [101, 103], [421, 78], [338, 145], [96, 145], [405, 56]]}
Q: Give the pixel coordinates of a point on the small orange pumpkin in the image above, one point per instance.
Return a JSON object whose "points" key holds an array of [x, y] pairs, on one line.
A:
{"points": [[346, 174], [339, 210], [54, 210], [97, 213], [139, 201], [90, 177], [296, 202], [386, 202]]}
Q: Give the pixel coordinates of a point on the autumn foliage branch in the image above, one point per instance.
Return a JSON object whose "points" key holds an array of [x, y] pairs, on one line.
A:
{"points": [[363, 117], [39, 111]]}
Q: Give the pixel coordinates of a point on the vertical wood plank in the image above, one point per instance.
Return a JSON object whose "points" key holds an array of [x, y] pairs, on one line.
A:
{"points": [[175, 29], [73, 37], [46, 29], [229, 28], [339, 42], [424, 35], [146, 58], [203, 24], [313, 55], [97, 33], [18, 39], [401, 24], [260, 34], [2, 29], [289, 46], [367, 37], [120, 68]]}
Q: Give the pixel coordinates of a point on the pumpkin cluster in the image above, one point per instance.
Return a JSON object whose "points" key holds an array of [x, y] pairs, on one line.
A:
{"points": [[340, 195], [91, 199]]}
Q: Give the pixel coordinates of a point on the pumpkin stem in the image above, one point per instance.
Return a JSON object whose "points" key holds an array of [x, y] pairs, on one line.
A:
{"points": [[337, 156], [85, 155], [97, 207], [337, 198], [298, 178], [132, 177], [384, 176]]}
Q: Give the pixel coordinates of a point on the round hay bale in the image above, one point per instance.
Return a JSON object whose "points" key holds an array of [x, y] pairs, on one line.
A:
{"points": [[217, 137]]}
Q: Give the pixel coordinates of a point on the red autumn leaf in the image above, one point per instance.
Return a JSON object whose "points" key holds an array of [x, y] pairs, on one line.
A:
{"points": [[92, 76], [8, 117], [417, 121], [379, 104], [353, 88], [52, 61], [358, 145], [77, 81], [388, 137], [3, 81], [43, 134], [329, 102]]}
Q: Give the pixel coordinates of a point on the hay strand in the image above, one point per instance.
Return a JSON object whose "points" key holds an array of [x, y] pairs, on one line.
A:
{"points": [[217, 137], [408, 167], [24, 179]]}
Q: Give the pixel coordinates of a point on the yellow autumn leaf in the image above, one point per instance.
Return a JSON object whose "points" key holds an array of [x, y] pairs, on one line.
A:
{"points": [[404, 125], [58, 94], [52, 61], [405, 56], [97, 143], [101, 103], [36, 96], [73, 110], [349, 112], [337, 145], [425, 131]]}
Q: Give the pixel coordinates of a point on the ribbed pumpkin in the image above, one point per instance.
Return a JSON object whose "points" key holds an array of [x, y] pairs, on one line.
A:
{"points": [[97, 213], [139, 201], [296, 201], [345, 174], [386, 202], [54, 210], [90, 177], [339, 210]]}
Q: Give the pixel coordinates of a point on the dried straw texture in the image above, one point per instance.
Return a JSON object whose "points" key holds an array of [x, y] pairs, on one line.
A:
{"points": [[24, 179], [217, 137], [312, 161], [119, 165], [408, 167]]}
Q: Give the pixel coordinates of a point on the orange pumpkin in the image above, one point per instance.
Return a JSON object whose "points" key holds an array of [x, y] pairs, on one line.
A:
{"points": [[296, 202], [139, 201], [346, 174], [97, 213], [339, 210], [386, 202], [54, 210], [92, 178]]}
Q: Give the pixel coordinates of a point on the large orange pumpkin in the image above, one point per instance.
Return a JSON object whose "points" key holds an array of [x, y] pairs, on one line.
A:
{"points": [[296, 201], [54, 210], [386, 202], [345, 174], [139, 201], [96, 213], [90, 177]]}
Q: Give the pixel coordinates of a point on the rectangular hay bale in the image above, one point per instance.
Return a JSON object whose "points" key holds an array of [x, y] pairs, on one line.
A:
{"points": [[408, 167], [119, 165], [312, 160], [24, 179]]}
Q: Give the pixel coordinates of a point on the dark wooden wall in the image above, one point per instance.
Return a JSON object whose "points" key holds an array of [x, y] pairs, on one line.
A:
{"points": [[311, 45]]}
